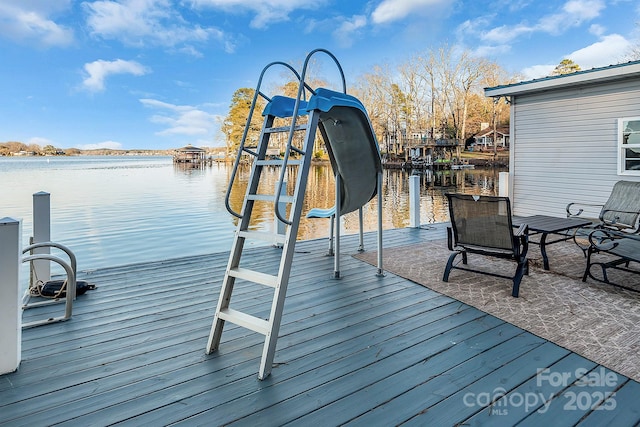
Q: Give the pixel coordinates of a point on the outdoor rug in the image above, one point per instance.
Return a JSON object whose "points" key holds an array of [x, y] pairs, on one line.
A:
{"points": [[598, 321]]}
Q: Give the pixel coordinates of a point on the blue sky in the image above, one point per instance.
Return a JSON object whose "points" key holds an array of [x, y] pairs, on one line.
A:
{"points": [[159, 74]]}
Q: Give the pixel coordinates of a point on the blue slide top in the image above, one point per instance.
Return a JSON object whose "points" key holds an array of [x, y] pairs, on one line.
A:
{"points": [[282, 106], [325, 99]]}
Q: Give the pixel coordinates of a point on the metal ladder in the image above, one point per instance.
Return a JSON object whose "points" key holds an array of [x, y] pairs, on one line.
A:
{"points": [[269, 327]]}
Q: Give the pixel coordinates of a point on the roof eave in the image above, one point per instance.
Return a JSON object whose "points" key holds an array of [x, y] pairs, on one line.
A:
{"points": [[614, 72]]}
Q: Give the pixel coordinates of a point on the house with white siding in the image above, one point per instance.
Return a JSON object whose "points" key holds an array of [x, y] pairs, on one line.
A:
{"points": [[484, 139], [572, 137]]}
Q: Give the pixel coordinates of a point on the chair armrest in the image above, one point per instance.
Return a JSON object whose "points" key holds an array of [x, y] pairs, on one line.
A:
{"points": [[617, 218], [613, 234], [577, 205], [605, 239], [521, 240], [450, 238], [522, 231]]}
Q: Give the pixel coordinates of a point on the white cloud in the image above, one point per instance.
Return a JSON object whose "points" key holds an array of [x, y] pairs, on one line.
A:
{"points": [[394, 10], [191, 51], [348, 29], [142, 22], [583, 10], [31, 21], [182, 119], [487, 51], [609, 50], [505, 34], [266, 11], [537, 71], [99, 70], [112, 145], [572, 14], [597, 30]]}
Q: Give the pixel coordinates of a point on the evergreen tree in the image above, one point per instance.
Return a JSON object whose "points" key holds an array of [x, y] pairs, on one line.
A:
{"points": [[566, 66]]}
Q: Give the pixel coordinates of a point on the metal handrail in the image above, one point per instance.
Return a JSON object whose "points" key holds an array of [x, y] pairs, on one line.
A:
{"points": [[70, 293], [301, 86], [70, 254], [242, 148]]}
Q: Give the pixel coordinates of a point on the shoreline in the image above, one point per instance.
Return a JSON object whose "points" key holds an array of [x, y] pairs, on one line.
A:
{"points": [[473, 159]]}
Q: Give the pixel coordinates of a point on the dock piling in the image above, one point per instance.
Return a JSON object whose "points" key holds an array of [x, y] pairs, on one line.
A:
{"points": [[10, 307]]}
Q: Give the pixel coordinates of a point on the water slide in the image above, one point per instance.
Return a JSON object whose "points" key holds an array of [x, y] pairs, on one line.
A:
{"points": [[351, 143], [352, 146], [355, 158]]}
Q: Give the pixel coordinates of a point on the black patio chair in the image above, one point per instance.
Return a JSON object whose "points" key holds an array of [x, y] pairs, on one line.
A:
{"points": [[621, 212], [482, 225], [621, 250]]}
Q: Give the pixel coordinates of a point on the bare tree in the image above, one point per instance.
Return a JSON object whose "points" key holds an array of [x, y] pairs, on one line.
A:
{"points": [[633, 53], [445, 88], [470, 72], [416, 97], [454, 78], [374, 91], [495, 75], [438, 89], [426, 66]]}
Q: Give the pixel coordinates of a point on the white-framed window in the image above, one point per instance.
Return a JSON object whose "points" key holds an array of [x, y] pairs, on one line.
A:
{"points": [[629, 146]]}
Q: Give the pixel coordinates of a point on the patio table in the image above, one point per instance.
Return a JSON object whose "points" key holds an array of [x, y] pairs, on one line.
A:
{"points": [[545, 225]]}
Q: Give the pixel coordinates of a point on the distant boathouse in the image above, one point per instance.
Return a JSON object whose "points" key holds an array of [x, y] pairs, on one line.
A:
{"points": [[189, 154]]}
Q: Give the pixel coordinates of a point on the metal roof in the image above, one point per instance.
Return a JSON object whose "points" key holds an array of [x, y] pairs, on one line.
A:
{"points": [[190, 149], [594, 75]]}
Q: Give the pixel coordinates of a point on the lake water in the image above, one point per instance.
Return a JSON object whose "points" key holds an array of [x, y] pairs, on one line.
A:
{"points": [[116, 210]]}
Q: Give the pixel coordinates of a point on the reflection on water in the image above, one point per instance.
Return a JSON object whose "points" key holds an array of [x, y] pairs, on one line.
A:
{"points": [[321, 193], [121, 210]]}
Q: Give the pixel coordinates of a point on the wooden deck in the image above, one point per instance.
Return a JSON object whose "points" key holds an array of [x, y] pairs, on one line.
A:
{"points": [[361, 350]]}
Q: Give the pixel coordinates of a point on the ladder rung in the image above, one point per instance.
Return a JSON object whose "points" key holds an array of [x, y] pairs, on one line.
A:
{"points": [[282, 129], [254, 276], [261, 235], [250, 150], [269, 198], [278, 162], [245, 320]]}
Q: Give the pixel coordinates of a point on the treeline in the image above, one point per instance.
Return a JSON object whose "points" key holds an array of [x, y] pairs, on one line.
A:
{"points": [[435, 94], [13, 148]]}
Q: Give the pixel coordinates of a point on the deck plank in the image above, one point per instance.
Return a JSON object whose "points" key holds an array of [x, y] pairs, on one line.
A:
{"points": [[573, 403], [379, 394], [359, 350], [510, 409], [619, 410], [507, 368], [351, 382], [225, 406]]}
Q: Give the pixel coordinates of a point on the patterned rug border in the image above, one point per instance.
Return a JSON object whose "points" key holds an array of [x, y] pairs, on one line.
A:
{"points": [[598, 321]]}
